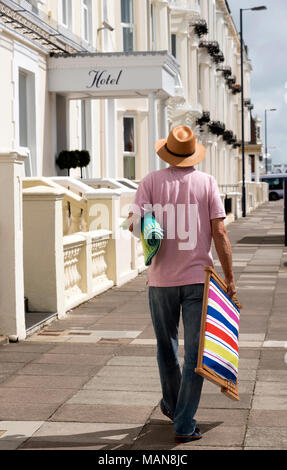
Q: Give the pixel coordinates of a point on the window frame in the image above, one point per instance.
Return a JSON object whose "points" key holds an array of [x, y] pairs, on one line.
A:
{"points": [[87, 7], [129, 25], [134, 153], [69, 12], [134, 117]]}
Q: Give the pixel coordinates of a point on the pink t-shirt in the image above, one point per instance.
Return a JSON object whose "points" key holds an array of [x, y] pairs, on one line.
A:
{"points": [[184, 201]]}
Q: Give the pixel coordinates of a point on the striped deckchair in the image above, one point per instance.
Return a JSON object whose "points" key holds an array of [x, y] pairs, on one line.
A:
{"points": [[218, 349]]}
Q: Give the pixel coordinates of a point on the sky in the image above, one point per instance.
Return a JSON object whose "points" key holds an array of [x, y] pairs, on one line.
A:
{"points": [[265, 33]]}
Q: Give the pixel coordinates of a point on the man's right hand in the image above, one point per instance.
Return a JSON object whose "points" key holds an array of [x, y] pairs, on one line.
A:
{"points": [[231, 289]]}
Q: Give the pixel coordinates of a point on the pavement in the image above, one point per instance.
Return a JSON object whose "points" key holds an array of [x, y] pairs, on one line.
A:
{"points": [[91, 381]]}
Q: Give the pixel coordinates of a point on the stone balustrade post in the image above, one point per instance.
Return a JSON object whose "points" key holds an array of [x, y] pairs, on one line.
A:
{"points": [[12, 310], [43, 249]]}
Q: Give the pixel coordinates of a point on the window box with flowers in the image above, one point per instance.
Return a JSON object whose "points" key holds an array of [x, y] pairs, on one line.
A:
{"points": [[236, 145], [216, 127], [231, 81], [226, 70], [204, 119], [218, 57], [227, 135], [211, 46], [236, 88]]}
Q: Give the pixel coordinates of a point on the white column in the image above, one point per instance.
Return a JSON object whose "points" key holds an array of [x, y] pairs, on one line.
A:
{"points": [[111, 139], [153, 133], [12, 311], [163, 126]]}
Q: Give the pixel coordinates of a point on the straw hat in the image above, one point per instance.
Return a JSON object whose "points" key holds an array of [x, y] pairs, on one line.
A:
{"points": [[180, 148]]}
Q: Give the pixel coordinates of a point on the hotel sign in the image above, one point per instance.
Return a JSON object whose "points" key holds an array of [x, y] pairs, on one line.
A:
{"points": [[116, 76], [100, 78]]}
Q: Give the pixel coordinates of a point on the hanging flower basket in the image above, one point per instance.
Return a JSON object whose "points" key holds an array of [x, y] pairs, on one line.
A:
{"points": [[211, 46], [205, 118], [226, 70], [236, 88], [200, 28], [227, 135], [218, 57], [231, 81], [236, 145], [216, 127]]}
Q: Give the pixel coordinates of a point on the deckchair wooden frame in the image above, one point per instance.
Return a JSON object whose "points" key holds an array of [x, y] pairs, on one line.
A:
{"points": [[227, 387]]}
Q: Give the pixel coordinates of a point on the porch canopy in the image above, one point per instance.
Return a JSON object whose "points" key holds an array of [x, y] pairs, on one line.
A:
{"points": [[111, 76]]}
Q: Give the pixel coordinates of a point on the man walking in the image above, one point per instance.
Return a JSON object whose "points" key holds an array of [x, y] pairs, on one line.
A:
{"points": [[187, 204]]}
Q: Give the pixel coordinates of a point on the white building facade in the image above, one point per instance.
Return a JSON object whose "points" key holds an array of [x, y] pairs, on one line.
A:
{"points": [[118, 118], [110, 77]]}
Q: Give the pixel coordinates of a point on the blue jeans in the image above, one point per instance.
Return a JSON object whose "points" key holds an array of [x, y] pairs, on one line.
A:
{"points": [[181, 391]]}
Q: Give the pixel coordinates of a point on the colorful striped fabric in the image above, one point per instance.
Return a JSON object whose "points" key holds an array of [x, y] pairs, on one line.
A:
{"points": [[221, 334]]}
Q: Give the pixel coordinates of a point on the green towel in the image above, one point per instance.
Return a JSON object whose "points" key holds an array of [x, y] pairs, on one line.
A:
{"points": [[151, 236]]}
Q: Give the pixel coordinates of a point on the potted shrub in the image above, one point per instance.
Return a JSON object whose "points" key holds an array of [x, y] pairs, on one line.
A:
{"points": [[65, 160], [83, 159]]}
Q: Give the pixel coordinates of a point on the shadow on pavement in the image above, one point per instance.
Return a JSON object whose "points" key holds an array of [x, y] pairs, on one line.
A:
{"points": [[262, 240]]}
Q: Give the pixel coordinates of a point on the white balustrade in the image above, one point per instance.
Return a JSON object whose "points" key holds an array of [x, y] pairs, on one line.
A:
{"points": [[74, 269]]}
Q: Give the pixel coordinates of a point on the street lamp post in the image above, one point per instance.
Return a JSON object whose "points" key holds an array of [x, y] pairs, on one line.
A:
{"points": [[242, 104], [266, 151]]}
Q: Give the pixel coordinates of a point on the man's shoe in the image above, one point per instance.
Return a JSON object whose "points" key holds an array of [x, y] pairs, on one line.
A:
{"points": [[165, 411], [193, 437]]}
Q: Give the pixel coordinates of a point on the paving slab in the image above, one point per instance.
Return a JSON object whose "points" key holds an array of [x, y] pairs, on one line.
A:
{"points": [[135, 384], [133, 361], [16, 432], [266, 375], [269, 389], [265, 418], [213, 433], [266, 437], [25, 347], [68, 434], [45, 382], [32, 396], [7, 368], [59, 369], [103, 413], [244, 387], [115, 397], [79, 348], [73, 359], [219, 400], [270, 402], [26, 412], [128, 371]]}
